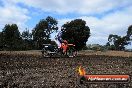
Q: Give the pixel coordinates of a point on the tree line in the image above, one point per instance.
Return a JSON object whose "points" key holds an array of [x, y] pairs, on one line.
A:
{"points": [[75, 32]]}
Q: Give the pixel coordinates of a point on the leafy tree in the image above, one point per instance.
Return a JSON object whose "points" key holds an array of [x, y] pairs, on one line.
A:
{"points": [[120, 43], [111, 41], [27, 40], [11, 37], [1, 40], [129, 33], [52, 25], [116, 42], [112, 38], [76, 32], [43, 30], [26, 35]]}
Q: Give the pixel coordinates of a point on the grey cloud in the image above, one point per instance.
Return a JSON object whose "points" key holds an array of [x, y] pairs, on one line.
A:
{"points": [[78, 6], [11, 13]]}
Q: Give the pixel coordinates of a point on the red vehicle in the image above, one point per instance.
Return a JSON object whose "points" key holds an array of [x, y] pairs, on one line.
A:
{"points": [[65, 49]]}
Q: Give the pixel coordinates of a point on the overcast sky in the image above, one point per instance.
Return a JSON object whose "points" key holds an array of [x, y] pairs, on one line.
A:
{"points": [[103, 17]]}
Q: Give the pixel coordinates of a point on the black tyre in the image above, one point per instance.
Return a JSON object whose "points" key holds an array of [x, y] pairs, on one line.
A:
{"points": [[70, 53]]}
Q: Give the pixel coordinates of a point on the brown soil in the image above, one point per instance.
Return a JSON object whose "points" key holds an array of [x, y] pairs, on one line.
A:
{"points": [[22, 70]]}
